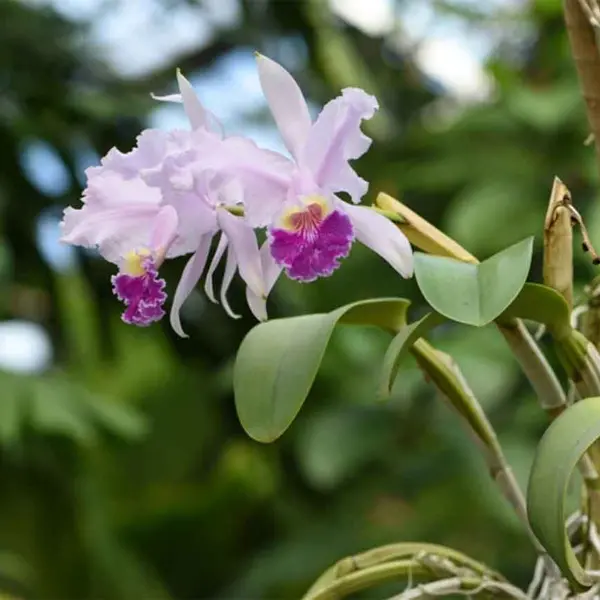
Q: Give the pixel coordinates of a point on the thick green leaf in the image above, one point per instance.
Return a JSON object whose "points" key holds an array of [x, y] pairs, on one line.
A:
{"points": [[400, 347], [558, 453], [278, 361], [474, 294], [543, 304]]}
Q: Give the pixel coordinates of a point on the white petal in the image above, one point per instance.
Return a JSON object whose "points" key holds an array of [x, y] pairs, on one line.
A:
{"points": [[382, 236], [168, 98], [189, 278], [286, 102]]}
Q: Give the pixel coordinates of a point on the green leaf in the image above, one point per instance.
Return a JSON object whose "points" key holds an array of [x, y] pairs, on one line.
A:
{"points": [[558, 453], [278, 361], [400, 347], [474, 294], [543, 304]]}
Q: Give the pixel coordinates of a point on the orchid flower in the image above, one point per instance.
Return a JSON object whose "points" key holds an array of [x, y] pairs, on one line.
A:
{"points": [[313, 229], [169, 197]]}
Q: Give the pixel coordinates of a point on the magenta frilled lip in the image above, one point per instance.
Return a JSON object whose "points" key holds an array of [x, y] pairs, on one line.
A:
{"points": [[311, 242], [143, 295]]}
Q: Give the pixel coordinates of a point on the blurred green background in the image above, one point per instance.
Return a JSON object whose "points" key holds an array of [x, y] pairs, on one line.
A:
{"points": [[124, 473]]}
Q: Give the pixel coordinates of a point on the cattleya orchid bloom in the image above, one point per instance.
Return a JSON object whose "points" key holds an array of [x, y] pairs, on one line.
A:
{"points": [[312, 229], [168, 197]]}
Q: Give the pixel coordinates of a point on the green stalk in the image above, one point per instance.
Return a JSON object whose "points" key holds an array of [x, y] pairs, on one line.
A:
{"points": [[364, 579], [403, 561], [536, 367], [448, 378]]}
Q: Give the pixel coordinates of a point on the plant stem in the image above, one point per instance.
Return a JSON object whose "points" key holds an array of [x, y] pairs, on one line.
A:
{"points": [[587, 62], [542, 377], [433, 558], [363, 579], [448, 378]]}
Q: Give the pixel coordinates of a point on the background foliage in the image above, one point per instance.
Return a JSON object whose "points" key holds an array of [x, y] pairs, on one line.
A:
{"points": [[124, 472]]}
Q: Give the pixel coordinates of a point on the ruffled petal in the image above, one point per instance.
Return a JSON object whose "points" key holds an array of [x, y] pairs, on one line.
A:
{"points": [[271, 272], [151, 148], [382, 236], [189, 278], [286, 102], [336, 138], [245, 248], [117, 216], [264, 176]]}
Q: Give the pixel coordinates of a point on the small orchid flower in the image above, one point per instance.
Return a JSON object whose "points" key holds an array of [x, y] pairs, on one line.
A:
{"points": [[313, 229], [169, 197]]}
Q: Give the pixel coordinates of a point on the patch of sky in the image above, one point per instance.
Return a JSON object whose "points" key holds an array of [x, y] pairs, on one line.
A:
{"points": [[44, 168]]}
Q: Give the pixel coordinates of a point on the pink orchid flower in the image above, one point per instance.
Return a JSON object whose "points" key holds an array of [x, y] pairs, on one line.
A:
{"points": [[169, 197], [313, 229]]}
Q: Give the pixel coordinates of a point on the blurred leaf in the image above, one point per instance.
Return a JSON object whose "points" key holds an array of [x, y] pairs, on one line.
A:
{"points": [[6, 262], [334, 444], [545, 109], [560, 449], [80, 320], [55, 409], [278, 361], [119, 419], [400, 347], [474, 294], [11, 410], [16, 570], [483, 216]]}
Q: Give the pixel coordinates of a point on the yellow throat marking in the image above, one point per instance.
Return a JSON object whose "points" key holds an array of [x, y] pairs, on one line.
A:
{"points": [[132, 264], [291, 219]]}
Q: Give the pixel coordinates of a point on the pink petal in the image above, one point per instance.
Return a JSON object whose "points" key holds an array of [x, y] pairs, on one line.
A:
{"points": [[286, 102], [382, 236], [118, 216], [165, 229], [271, 272], [264, 177], [189, 278], [245, 248], [151, 147], [193, 107], [230, 269], [208, 285], [336, 138]]}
